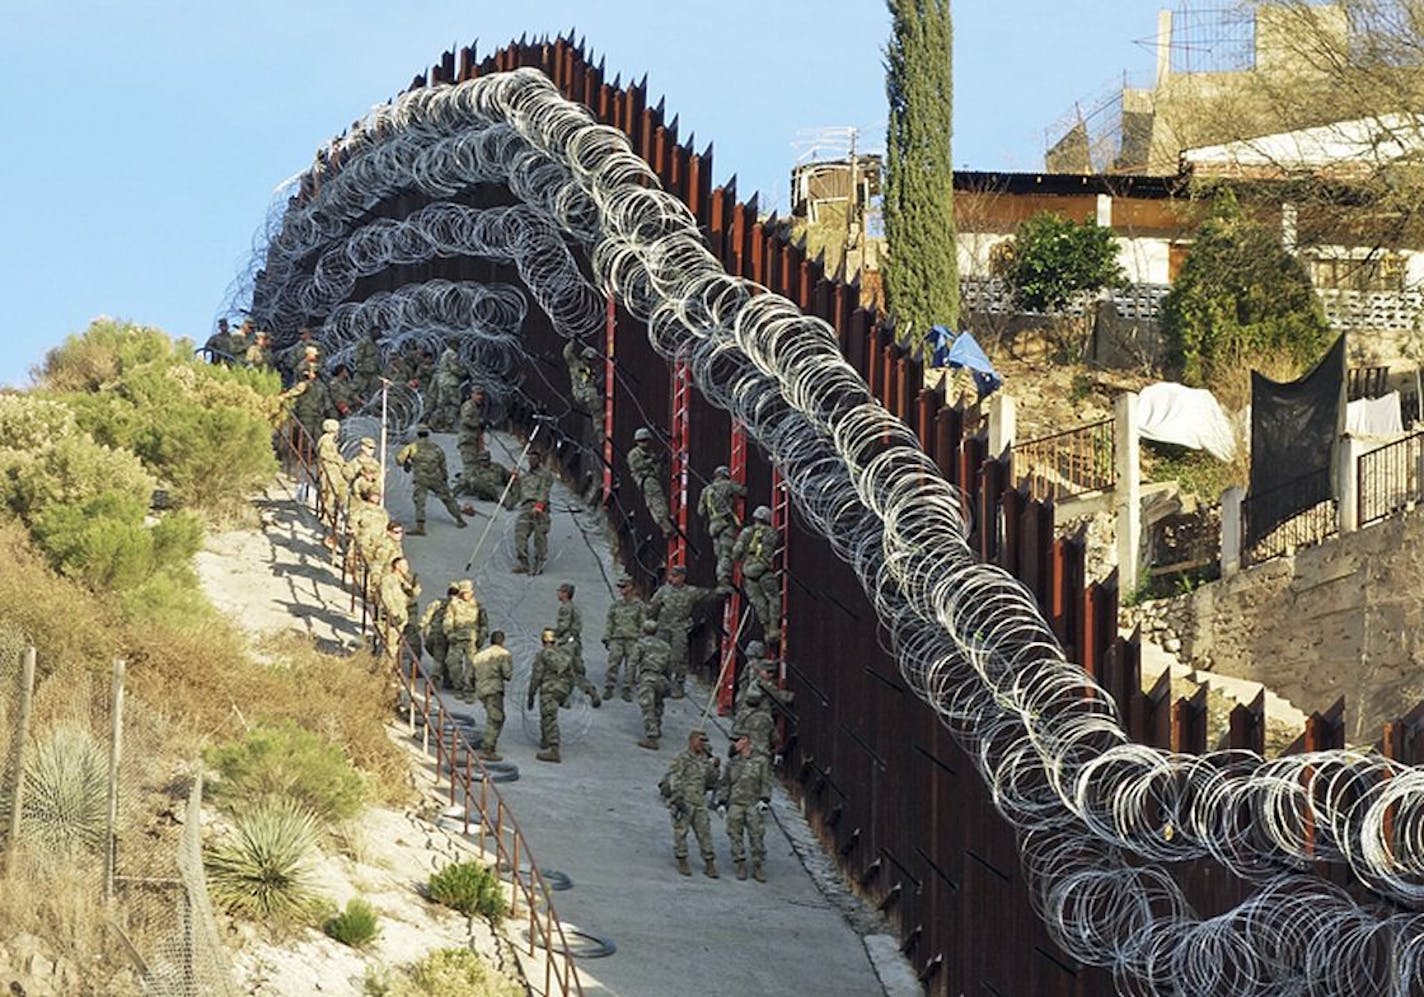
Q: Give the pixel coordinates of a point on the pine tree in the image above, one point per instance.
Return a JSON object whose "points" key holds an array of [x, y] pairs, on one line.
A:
{"points": [[922, 274]]}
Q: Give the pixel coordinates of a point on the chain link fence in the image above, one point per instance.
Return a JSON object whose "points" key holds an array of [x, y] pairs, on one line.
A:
{"points": [[100, 838]]}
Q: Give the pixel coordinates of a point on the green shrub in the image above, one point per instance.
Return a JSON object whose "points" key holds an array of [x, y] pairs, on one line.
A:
{"points": [[470, 888], [357, 926], [455, 973], [94, 360], [107, 543], [263, 870], [66, 806], [275, 762], [1053, 260], [69, 471]]}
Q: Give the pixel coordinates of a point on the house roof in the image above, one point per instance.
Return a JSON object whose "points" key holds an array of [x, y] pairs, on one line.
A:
{"points": [[1341, 149], [1067, 184]]}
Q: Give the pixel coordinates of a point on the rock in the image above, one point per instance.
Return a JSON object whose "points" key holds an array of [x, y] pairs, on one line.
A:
{"points": [[1172, 645]]}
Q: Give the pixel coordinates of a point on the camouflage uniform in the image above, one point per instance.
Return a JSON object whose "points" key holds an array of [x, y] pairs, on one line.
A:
{"points": [[331, 478], [432, 632], [366, 367], [745, 791], [463, 635], [647, 471], [471, 427], [568, 631], [484, 478], [445, 389], [310, 404], [393, 611], [685, 788], [426, 462], [552, 678], [583, 384], [368, 525], [354, 468], [410, 584], [755, 713], [493, 668], [756, 548], [384, 549], [534, 487], [621, 631], [344, 397], [717, 504], [649, 664], [672, 606]]}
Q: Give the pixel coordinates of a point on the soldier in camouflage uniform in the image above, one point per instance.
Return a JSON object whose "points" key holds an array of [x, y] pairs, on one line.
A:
{"points": [[684, 787], [388, 546], [568, 630], [220, 343], [367, 361], [493, 668], [756, 548], [484, 478], [757, 696], [672, 605], [445, 389], [583, 383], [718, 505], [471, 427], [342, 390], [621, 631], [426, 462], [432, 633], [368, 520], [331, 479], [464, 625], [552, 678], [534, 486], [394, 612], [646, 468], [650, 663], [259, 354], [357, 467], [310, 403], [743, 798]]}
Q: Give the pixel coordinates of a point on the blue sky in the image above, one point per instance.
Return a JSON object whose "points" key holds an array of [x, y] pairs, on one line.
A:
{"points": [[143, 139]]}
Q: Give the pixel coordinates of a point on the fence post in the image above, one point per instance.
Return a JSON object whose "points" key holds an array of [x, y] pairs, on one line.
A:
{"points": [[1231, 500], [1127, 495], [22, 736], [1003, 423], [116, 734], [1347, 486]]}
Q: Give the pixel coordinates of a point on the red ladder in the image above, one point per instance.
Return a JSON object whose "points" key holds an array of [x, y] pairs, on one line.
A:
{"points": [[610, 343], [677, 497], [732, 611]]}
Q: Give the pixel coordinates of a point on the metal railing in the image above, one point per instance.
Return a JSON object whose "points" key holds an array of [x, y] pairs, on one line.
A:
{"points": [[1390, 479], [471, 784], [1366, 382], [1067, 463], [1302, 528]]}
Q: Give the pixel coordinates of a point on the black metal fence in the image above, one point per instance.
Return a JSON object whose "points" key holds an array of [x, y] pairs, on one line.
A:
{"points": [[1390, 479], [1302, 528]]}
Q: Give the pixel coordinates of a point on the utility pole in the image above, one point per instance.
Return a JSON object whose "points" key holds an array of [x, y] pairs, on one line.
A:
{"points": [[851, 205], [385, 390]]}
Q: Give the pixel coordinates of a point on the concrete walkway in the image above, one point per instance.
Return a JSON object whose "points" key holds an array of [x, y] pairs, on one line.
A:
{"points": [[597, 816]]}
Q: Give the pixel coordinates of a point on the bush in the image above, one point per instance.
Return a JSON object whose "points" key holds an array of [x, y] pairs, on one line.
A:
{"points": [[1240, 300], [66, 808], [455, 973], [1053, 260], [264, 870], [282, 761], [94, 360], [470, 888], [106, 542], [357, 926]]}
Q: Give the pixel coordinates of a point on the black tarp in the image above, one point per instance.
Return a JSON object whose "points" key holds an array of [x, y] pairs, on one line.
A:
{"points": [[1295, 429]]}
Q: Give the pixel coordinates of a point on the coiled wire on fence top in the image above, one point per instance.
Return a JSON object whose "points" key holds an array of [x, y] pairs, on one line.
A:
{"points": [[1090, 806]]}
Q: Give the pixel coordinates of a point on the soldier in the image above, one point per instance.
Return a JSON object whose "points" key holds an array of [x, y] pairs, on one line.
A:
{"points": [[310, 403], [755, 716], [368, 520], [471, 427], [388, 545], [393, 606], [219, 344], [410, 584], [426, 462], [621, 631], [568, 629], [534, 487], [432, 632], [493, 668], [583, 383], [756, 548], [259, 354], [331, 481], [553, 679], [445, 389], [717, 503], [672, 605], [365, 461], [425, 366], [484, 478], [685, 786], [462, 626], [743, 798], [647, 470], [367, 361], [649, 663], [309, 360], [343, 391]]}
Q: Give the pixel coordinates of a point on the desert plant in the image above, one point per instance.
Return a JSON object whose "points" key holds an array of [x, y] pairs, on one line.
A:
{"points": [[358, 925], [455, 973], [66, 793], [283, 761], [263, 870], [470, 888]]}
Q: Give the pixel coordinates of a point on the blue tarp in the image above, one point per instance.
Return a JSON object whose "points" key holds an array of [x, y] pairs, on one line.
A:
{"points": [[958, 351]]}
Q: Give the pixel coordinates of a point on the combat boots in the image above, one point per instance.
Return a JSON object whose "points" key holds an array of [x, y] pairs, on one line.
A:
{"points": [[461, 523], [710, 869], [491, 756], [651, 743], [627, 694], [741, 868], [419, 530], [608, 692], [549, 755], [682, 865], [758, 873]]}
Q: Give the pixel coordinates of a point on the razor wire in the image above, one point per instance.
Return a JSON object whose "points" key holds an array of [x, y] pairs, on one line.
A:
{"points": [[969, 638]]}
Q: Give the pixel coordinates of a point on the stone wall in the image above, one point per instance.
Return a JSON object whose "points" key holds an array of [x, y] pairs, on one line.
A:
{"points": [[1343, 618]]}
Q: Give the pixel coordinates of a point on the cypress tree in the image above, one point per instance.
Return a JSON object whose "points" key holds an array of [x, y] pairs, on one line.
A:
{"points": [[922, 274]]}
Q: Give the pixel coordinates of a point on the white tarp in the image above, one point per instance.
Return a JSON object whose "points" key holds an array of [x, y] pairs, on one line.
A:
{"points": [[1374, 416], [1188, 417]]}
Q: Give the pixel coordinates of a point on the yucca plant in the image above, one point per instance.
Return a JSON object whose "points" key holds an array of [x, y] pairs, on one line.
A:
{"points": [[358, 925], [263, 870], [470, 888], [66, 803]]}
